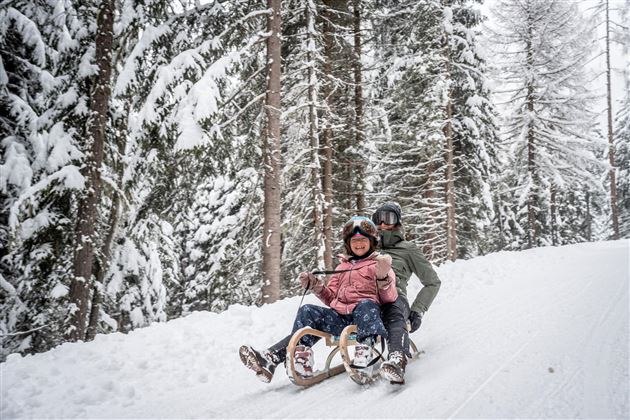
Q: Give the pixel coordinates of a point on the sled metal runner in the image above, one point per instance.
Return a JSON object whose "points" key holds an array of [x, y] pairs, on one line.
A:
{"points": [[340, 344]]}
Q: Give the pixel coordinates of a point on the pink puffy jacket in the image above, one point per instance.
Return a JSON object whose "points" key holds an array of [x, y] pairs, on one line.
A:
{"points": [[345, 290]]}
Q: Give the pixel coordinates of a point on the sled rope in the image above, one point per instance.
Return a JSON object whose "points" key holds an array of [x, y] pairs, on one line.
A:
{"points": [[318, 272]]}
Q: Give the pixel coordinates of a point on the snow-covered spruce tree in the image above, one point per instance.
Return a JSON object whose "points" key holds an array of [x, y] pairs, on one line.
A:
{"points": [[439, 153], [320, 142], [474, 131], [342, 158], [47, 50], [611, 19], [622, 160], [88, 201], [196, 77], [622, 137], [411, 167], [219, 261], [339, 115], [303, 200], [548, 123]]}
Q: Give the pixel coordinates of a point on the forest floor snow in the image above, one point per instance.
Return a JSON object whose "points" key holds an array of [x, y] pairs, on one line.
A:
{"points": [[542, 333]]}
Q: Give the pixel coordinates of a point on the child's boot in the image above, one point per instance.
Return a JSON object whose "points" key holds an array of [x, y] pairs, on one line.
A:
{"points": [[362, 355], [304, 361]]}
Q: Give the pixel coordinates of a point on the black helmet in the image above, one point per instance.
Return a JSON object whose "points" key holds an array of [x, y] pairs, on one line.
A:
{"points": [[389, 213]]}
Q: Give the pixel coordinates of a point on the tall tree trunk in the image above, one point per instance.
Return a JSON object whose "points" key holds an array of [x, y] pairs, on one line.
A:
{"points": [[451, 226], [327, 183], [315, 161], [589, 218], [359, 175], [611, 145], [554, 215], [103, 266], [532, 198], [88, 211], [429, 248], [105, 257], [271, 245]]}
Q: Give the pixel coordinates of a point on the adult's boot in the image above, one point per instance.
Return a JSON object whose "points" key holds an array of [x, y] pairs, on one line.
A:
{"points": [[393, 369], [263, 363]]}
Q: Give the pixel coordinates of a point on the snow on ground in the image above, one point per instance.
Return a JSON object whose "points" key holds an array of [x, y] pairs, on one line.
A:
{"points": [[535, 334]]}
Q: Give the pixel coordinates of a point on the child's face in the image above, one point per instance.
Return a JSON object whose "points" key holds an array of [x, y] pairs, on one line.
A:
{"points": [[359, 245]]}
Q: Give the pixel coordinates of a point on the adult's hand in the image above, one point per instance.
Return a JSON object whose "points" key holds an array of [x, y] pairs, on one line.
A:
{"points": [[415, 318]]}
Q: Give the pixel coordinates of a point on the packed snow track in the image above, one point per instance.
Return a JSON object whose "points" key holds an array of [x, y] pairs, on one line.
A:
{"points": [[534, 334]]}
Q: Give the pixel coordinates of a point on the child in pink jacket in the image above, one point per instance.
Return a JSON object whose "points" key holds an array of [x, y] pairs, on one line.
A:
{"points": [[362, 282]]}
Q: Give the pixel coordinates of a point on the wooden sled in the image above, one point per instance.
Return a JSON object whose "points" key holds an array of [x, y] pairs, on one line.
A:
{"points": [[340, 344]]}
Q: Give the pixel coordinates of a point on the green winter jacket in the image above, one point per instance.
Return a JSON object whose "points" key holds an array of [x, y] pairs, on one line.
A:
{"points": [[407, 259]]}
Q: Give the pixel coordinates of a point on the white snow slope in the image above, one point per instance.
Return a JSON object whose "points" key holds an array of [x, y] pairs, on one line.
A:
{"points": [[535, 334]]}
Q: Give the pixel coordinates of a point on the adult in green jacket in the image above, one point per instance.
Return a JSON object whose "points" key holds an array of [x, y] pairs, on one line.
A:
{"points": [[407, 259]]}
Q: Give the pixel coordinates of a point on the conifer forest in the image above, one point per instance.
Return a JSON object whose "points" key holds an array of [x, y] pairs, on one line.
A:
{"points": [[159, 157]]}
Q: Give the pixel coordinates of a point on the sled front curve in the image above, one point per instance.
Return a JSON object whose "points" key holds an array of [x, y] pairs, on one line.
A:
{"points": [[319, 375], [360, 376], [338, 344]]}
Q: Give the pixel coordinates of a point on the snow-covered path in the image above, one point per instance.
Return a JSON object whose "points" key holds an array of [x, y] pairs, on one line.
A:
{"points": [[541, 333]]}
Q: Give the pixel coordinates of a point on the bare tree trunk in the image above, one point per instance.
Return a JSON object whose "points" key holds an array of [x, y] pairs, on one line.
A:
{"points": [[327, 183], [589, 218], [95, 307], [271, 245], [430, 235], [105, 257], [315, 161], [611, 146], [531, 161], [451, 225], [88, 211], [103, 266], [554, 215], [358, 110], [531, 167]]}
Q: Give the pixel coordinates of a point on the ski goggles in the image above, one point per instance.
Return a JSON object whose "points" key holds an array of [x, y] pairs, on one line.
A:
{"points": [[385, 216], [359, 224]]}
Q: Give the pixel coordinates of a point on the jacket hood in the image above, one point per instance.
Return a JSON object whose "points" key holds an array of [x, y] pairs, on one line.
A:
{"points": [[389, 238]]}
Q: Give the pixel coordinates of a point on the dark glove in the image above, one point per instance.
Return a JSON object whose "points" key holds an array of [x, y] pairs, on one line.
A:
{"points": [[415, 318]]}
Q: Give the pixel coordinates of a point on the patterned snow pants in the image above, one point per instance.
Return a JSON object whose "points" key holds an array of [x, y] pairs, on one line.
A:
{"points": [[366, 316]]}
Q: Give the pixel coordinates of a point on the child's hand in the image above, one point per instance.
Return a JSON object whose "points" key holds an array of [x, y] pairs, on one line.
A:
{"points": [[383, 265], [309, 281]]}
